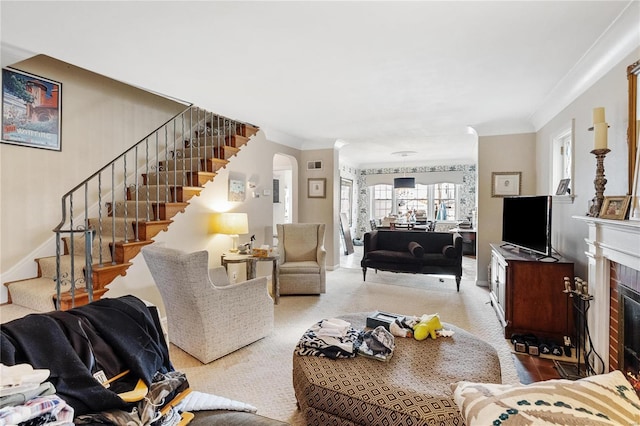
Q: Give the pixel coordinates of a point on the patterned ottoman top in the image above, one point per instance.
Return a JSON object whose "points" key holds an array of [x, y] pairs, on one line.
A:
{"points": [[414, 384]]}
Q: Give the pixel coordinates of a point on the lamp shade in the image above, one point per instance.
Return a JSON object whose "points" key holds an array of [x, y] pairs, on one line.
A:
{"points": [[404, 182], [230, 223]]}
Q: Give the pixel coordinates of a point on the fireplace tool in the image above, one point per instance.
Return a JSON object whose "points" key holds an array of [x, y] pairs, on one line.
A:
{"points": [[581, 302]]}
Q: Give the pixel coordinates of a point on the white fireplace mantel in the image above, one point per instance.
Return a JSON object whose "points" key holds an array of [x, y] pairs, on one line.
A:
{"points": [[608, 240]]}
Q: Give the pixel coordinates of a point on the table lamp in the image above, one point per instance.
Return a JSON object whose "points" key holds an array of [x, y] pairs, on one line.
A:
{"points": [[231, 224]]}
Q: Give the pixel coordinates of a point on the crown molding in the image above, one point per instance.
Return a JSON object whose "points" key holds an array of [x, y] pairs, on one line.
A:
{"points": [[615, 44]]}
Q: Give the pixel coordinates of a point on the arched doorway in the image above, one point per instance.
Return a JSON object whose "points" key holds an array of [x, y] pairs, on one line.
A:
{"points": [[284, 168]]}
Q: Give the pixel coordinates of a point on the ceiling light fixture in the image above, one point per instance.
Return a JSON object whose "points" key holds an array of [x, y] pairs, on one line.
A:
{"points": [[404, 182]]}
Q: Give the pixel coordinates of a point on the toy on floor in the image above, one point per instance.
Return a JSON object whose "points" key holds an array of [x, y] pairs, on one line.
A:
{"points": [[427, 327]]}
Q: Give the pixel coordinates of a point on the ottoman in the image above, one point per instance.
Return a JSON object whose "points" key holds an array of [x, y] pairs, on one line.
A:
{"points": [[412, 388]]}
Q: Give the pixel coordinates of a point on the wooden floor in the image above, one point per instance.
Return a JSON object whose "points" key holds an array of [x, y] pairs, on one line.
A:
{"points": [[534, 369]]}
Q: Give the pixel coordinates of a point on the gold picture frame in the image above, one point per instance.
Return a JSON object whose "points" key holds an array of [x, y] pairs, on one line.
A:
{"points": [[615, 207], [317, 187], [506, 184]]}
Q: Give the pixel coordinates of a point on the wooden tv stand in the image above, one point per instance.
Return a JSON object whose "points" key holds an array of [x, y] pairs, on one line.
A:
{"points": [[527, 294]]}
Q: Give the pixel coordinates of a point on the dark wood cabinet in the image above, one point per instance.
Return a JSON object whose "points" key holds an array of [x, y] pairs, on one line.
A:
{"points": [[527, 294]]}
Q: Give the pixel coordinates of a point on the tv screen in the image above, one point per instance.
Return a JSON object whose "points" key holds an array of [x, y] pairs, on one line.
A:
{"points": [[526, 223]]}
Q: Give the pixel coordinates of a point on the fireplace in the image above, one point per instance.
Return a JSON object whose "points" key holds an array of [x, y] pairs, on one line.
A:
{"points": [[614, 281], [629, 334]]}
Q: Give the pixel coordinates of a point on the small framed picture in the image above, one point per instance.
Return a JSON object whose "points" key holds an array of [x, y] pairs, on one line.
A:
{"points": [[236, 190], [505, 184], [317, 187], [615, 207], [563, 187]]}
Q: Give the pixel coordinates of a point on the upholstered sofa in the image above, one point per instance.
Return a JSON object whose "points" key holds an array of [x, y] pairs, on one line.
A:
{"points": [[416, 252]]}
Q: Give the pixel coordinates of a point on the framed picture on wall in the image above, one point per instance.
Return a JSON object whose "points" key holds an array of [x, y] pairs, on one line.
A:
{"points": [[31, 110], [236, 190], [317, 187], [505, 184]]}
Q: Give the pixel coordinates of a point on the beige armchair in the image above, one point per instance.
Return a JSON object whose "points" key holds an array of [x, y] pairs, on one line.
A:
{"points": [[302, 258], [207, 316]]}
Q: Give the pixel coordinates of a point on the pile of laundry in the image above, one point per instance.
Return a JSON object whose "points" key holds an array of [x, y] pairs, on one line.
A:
{"points": [[27, 398], [335, 338]]}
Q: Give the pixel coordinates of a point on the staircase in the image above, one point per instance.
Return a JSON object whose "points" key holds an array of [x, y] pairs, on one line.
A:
{"points": [[110, 216]]}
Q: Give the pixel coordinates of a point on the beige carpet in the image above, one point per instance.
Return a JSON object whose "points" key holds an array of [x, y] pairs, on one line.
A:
{"points": [[260, 374]]}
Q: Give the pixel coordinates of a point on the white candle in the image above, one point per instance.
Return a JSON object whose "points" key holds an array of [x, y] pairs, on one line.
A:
{"points": [[598, 115], [601, 130]]}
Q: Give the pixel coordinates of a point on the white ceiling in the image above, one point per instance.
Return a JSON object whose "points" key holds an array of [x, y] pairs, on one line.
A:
{"points": [[378, 77]]}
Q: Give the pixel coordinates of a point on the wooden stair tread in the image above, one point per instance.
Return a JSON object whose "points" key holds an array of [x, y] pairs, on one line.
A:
{"points": [[79, 298], [183, 178], [125, 251], [149, 229]]}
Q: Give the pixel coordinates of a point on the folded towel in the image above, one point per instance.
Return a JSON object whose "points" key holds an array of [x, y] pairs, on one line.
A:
{"points": [[333, 327]]}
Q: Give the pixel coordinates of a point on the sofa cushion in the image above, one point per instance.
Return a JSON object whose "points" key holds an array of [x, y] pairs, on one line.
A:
{"points": [[391, 256], [416, 249], [301, 244], [306, 267], [436, 259], [449, 251]]}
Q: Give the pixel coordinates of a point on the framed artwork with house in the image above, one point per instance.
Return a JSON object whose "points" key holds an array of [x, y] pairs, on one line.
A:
{"points": [[31, 110]]}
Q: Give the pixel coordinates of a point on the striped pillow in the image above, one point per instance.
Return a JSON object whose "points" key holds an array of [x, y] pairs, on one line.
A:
{"points": [[605, 399]]}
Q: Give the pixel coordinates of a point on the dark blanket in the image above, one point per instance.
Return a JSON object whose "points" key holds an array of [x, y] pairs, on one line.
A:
{"points": [[108, 335]]}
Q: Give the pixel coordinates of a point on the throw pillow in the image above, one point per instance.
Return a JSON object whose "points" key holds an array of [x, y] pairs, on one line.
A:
{"points": [[416, 249], [604, 399], [449, 251]]}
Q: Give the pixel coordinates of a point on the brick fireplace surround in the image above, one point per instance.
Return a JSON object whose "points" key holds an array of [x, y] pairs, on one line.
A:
{"points": [[614, 259]]}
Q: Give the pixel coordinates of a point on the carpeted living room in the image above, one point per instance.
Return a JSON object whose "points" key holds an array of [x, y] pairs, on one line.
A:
{"points": [[183, 182], [261, 374]]}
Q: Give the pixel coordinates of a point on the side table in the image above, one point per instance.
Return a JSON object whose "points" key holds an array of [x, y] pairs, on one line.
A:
{"points": [[251, 265]]}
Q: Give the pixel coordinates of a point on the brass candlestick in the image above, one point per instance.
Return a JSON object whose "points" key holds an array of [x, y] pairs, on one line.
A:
{"points": [[599, 182]]}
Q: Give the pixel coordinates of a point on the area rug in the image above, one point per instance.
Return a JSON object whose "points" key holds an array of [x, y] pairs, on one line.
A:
{"points": [[261, 373]]}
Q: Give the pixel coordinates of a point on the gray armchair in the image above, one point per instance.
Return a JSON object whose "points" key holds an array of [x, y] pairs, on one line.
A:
{"points": [[302, 258], [208, 317]]}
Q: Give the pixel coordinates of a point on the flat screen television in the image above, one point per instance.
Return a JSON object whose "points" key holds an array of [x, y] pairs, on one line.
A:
{"points": [[526, 223]]}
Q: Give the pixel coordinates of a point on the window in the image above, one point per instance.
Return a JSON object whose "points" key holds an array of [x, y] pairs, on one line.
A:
{"points": [[381, 201], [562, 158], [346, 198], [437, 201], [413, 199], [444, 199]]}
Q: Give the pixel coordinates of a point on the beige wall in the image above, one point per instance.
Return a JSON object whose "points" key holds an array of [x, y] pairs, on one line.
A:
{"points": [[610, 92], [531, 153], [100, 119], [322, 210], [505, 153]]}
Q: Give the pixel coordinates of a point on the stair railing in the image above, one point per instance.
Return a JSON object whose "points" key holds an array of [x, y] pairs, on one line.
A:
{"points": [[83, 241]]}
